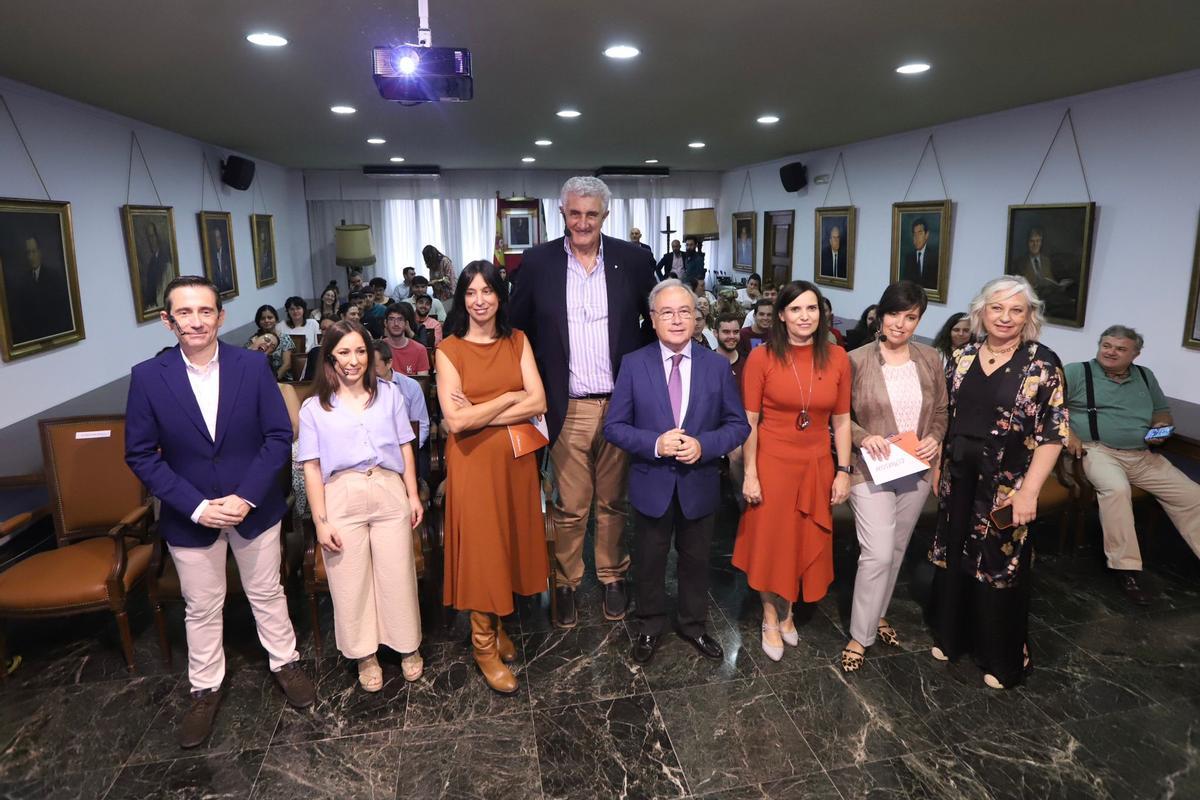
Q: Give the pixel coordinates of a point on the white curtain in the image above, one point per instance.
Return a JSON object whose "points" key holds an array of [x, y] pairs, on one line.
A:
{"points": [[553, 219], [476, 237], [401, 238], [323, 217]]}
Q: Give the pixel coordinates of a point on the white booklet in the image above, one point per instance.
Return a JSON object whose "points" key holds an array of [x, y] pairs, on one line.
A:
{"points": [[899, 462]]}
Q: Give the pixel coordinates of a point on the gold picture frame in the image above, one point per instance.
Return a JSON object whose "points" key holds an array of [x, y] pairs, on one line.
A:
{"points": [[745, 249], [1191, 330], [266, 262], [153, 256], [39, 280], [216, 249], [834, 266], [1059, 238], [921, 246]]}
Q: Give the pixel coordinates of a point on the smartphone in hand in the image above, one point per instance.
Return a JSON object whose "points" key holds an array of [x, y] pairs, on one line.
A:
{"points": [[1161, 432], [1002, 517]]}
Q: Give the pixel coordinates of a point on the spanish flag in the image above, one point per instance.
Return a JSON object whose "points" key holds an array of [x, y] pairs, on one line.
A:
{"points": [[498, 255]]}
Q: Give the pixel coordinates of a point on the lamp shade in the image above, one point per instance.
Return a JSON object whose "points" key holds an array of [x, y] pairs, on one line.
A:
{"points": [[354, 245], [701, 223]]}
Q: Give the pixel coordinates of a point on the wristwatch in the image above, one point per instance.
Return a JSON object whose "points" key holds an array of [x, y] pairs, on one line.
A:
{"points": [[849, 470]]}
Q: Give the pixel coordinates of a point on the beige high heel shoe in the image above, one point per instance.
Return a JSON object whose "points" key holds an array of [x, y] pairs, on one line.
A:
{"points": [[370, 674]]}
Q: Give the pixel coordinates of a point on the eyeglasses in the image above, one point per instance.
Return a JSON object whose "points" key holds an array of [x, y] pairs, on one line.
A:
{"points": [[670, 314]]}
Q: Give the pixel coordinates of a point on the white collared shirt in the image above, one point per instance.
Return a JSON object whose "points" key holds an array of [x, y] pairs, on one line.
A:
{"points": [[206, 386]]}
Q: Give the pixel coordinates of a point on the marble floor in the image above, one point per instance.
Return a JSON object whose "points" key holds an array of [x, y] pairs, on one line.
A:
{"points": [[1111, 709]]}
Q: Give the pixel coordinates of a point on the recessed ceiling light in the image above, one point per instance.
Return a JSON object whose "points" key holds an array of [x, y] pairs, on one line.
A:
{"points": [[768, 119], [543, 142], [343, 109], [376, 140], [695, 145], [913, 69], [263, 39], [396, 159], [622, 51], [651, 160], [529, 159], [568, 113]]}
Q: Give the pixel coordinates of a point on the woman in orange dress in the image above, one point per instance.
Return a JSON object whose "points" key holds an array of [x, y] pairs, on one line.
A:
{"points": [[494, 533], [793, 386]]}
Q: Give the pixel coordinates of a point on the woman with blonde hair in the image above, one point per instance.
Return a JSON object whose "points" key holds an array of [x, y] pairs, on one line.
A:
{"points": [[1008, 424]]}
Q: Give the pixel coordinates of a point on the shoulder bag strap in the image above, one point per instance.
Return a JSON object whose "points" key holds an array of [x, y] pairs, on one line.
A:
{"points": [[1091, 401]]}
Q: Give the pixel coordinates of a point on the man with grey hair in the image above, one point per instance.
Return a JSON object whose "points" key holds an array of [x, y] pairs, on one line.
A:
{"points": [[1115, 405], [581, 300], [676, 410]]}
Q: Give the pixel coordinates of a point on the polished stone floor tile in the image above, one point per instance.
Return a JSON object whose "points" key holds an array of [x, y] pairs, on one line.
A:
{"points": [[484, 758], [731, 734], [587, 662], [677, 663], [76, 728], [820, 639], [225, 776], [817, 786], [879, 780], [342, 707], [1066, 683], [850, 720], [610, 748], [364, 766], [245, 720], [66, 786], [452, 688]]}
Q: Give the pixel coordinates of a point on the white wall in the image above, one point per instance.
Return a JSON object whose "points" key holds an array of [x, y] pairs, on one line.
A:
{"points": [[83, 155], [1141, 150]]}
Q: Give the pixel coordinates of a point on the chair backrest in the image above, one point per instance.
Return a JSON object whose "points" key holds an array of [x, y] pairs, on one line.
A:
{"points": [[300, 340], [91, 486]]}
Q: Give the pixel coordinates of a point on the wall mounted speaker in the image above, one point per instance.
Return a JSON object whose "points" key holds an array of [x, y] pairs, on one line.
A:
{"points": [[794, 176], [237, 172]]}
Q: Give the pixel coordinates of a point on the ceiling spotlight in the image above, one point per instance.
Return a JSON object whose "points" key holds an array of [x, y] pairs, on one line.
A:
{"points": [[343, 109], [376, 140], [266, 40], [768, 119], [543, 142], [396, 159], [528, 159], [695, 145], [913, 69], [651, 160], [622, 51], [568, 113]]}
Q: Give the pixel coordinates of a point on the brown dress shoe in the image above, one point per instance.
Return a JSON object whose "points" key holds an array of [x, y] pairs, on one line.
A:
{"points": [[483, 638], [1136, 594], [297, 687], [198, 721], [504, 645]]}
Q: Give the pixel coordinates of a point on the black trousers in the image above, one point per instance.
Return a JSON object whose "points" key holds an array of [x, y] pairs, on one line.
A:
{"points": [[651, 545]]}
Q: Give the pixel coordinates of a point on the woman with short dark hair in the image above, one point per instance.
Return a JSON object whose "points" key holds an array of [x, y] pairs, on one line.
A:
{"points": [[866, 329], [267, 321], [297, 322], [955, 333]]}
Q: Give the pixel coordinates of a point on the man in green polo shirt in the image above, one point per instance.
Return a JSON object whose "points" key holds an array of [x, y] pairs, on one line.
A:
{"points": [[1128, 403]]}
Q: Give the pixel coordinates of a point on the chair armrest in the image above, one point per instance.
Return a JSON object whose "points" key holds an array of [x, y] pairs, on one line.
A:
{"points": [[137, 518]]}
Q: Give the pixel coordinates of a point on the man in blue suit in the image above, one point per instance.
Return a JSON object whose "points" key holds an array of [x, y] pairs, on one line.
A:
{"points": [[207, 432], [676, 410]]}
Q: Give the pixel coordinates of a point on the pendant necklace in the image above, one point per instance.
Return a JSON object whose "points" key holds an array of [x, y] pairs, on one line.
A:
{"points": [[995, 353], [803, 421]]}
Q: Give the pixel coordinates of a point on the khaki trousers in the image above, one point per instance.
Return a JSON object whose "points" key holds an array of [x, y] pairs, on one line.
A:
{"points": [[202, 583], [1112, 472], [586, 468], [373, 580]]}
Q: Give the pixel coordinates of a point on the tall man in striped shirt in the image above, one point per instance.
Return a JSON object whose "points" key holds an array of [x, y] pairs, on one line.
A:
{"points": [[582, 301]]}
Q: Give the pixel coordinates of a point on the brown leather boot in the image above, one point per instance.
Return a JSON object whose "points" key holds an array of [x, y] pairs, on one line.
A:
{"points": [[508, 650], [483, 638]]}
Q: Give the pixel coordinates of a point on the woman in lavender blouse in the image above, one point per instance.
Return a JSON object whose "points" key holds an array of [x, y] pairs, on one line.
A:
{"points": [[361, 483]]}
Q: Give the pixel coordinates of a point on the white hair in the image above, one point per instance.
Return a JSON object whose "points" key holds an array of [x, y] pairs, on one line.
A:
{"points": [[670, 283], [586, 186], [1002, 289]]}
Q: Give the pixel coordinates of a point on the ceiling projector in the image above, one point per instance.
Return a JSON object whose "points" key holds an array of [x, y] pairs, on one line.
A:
{"points": [[422, 74]]}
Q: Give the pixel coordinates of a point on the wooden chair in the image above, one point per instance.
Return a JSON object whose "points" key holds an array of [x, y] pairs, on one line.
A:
{"points": [[100, 516], [316, 579], [1145, 508]]}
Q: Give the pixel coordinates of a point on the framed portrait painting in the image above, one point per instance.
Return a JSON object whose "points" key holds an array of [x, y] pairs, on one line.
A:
{"points": [[262, 233], [216, 246], [1191, 330], [152, 254], [833, 256], [1051, 247], [39, 284], [745, 240], [921, 246], [521, 229]]}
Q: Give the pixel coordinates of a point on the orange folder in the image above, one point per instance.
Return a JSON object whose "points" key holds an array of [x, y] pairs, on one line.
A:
{"points": [[526, 438]]}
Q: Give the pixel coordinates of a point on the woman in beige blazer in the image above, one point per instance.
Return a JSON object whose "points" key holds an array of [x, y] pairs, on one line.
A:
{"points": [[898, 386]]}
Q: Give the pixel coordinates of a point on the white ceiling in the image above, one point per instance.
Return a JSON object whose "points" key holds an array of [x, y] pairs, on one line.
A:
{"points": [[707, 70]]}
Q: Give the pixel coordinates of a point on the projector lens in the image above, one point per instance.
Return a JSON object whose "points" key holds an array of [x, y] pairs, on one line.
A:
{"points": [[407, 63]]}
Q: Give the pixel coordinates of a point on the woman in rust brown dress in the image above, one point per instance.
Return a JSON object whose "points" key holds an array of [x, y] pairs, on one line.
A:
{"points": [[494, 540]]}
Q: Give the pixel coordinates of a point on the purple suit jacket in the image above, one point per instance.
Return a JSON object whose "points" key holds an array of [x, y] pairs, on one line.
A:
{"points": [[168, 447], [640, 412]]}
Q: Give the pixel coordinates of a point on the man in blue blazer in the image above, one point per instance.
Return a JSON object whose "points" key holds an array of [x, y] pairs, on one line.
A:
{"points": [[676, 410], [207, 432]]}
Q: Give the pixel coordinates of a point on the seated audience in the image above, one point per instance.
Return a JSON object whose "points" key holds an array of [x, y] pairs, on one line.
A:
{"points": [[414, 398], [835, 336], [281, 357], [355, 282], [955, 333], [421, 286], [328, 305], [729, 339], [727, 301], [768, 293], [298, 322], [429, 330], [698, 289], [760, 329], [751, 293], [409, 357], [404, 288], [865, 331], [1112, 403], [265, 343], [703, 334]]}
